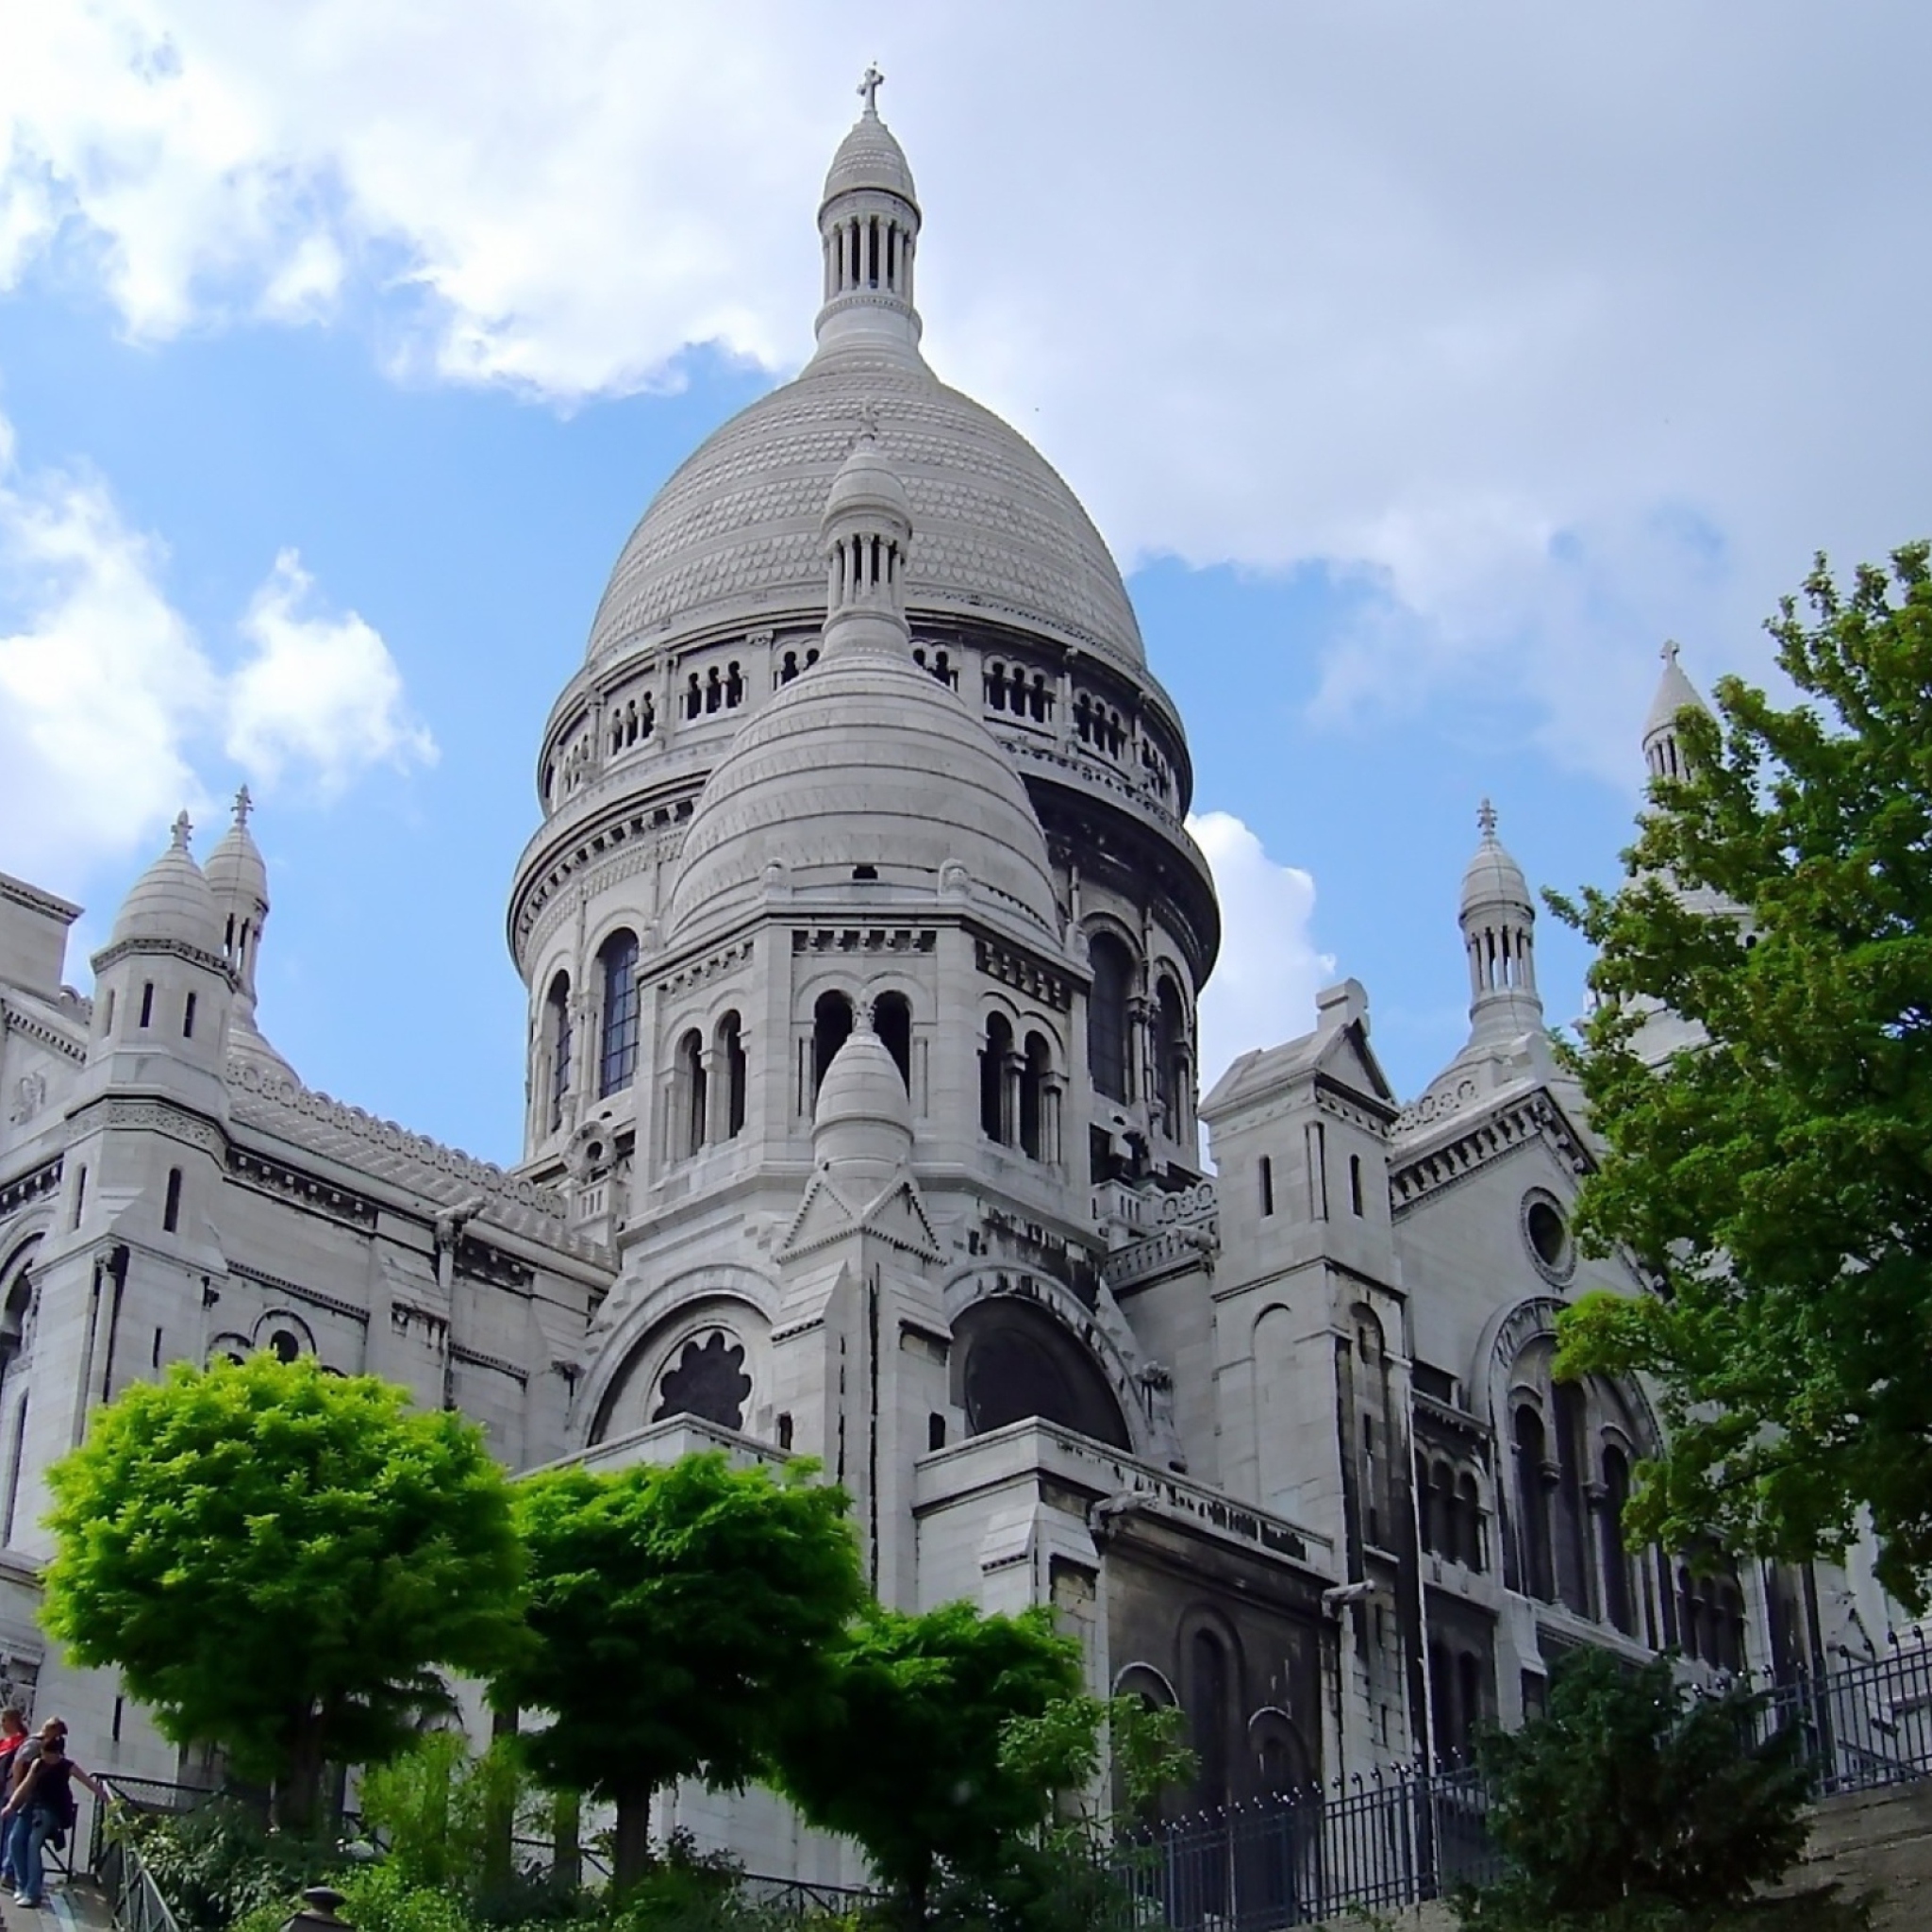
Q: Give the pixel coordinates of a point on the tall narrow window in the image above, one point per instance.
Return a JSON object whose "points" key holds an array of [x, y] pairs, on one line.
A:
{"points": [[731, 1059], [994, 1052], [1034, 1071], [831, 1028], [108, 1018], [556, 1021], [1106, 1017], [188, 1018], [1532, 1504], [79, 1195], [1469, 1515], [1615, 1560], [171, 1207], [617, 1058], [690, 1092], [1355, 1184], [147, 1004], [891, 1020], [1573, 1546], [1170, 1057], [1267, 1187]]}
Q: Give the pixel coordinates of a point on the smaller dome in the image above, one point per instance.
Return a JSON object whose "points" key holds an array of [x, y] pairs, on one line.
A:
{"points": [[861, 1129], [870, 156], [170, 900], [236, 867], [867, 490], [1674, 693], [1492, 877]]}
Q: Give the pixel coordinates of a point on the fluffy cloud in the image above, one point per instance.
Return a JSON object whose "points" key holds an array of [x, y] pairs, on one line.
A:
{"points": [[107, 696], [102, 682], [1561, 329], [319, 692], [1264, 986]]}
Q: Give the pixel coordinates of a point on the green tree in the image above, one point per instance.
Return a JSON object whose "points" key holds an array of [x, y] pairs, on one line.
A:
{"points": [[908, 1760], [680, 1614], [1776, 1180], [281, 1562], [1630, 1807]]}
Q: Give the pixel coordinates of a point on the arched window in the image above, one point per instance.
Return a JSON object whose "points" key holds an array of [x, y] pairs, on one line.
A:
{"points": [[1170, 1056], [1442, 1506], [556, 1024], [831, 1026], [1035, 1069], [891, 1020], [1469, 1521], [170, 1206], [1427, 1530], [1106, 1017], [730, 1058], [1616, 1562], [694, 697], [1532, 1505], [995, 1052], [1572, 1548], [617, 1058], [1209, 1691], [689, 1082]]}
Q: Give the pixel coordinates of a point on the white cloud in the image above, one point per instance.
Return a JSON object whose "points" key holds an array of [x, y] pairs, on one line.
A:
{"points": [[319, 692], [102, 682], [109, 697], [1566, 328], [1263, 988]]}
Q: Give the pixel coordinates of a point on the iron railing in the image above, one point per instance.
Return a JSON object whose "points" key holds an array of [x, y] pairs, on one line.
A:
{"points": [[1862, 1727], [133, 1896], [1301, 1857]]}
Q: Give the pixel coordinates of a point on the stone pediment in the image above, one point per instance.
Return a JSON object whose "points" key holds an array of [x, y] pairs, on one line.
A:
{"points": [[897, 1216]]}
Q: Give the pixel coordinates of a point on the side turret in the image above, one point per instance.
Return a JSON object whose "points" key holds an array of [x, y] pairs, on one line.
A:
{"points": [[1675, 694], [1498, 920]]}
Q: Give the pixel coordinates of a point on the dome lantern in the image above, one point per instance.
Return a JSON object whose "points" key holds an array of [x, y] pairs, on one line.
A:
{"points": [[1498, 921], [866, 530], [1663, 757], [869, 230]]}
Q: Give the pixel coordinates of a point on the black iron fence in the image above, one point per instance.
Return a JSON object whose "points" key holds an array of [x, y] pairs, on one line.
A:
{"points": [[1300, 1857]]}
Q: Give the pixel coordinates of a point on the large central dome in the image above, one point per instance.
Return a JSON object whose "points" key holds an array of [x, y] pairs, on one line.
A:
{"points": [[733, 536], [735, 532]]}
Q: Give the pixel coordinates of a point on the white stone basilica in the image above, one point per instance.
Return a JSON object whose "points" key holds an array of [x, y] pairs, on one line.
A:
{"points": [[863, 942]]}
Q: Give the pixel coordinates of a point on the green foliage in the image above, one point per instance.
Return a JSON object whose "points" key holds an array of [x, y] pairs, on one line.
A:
{"points": [[949, 1735], [221, 1862], [278, 1560], [1630, 1807], [1777, 1181], [445, 1817], [681, 1614]]}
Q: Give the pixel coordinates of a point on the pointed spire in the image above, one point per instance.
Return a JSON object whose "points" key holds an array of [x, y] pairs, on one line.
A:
{"points": [[184, 827], [1675, 694], [869, 230], [243, 806], [1498, 920]]}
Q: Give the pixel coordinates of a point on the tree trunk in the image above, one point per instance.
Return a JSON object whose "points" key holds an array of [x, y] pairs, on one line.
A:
{"points": [[567, 1862], [298, 1791], [500, 1805], [631, 1842]]}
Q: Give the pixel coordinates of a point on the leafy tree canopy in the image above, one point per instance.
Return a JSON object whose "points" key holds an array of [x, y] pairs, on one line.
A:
{"points": [[919, 1757], [1631, 1805], [279, 1561], [1776, 1180], [681, 1614]]}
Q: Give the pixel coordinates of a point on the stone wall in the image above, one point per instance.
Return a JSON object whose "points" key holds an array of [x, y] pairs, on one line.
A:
{"points": [[1880, 1840]]}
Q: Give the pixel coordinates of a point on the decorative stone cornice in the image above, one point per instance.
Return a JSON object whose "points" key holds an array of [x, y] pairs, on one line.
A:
{"points": [[37, 899], [176, 949], [34, 1185], [1024, 973], [1534, 1117], [28, 1025]]}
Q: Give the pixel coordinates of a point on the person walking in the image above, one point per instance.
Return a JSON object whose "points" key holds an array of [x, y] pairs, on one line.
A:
{"points": [[13, 1735], [43, 1797]]}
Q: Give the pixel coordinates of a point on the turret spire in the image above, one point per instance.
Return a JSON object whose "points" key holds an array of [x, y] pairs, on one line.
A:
{"points": [[1662, 754], [1498, 923], [866, 530], [869, 227]]}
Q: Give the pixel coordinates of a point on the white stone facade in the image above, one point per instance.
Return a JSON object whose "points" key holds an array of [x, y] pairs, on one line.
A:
{"points": [[863, 942]]}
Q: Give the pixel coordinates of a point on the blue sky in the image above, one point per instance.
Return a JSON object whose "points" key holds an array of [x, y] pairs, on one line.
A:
{"points": [[337, 361]]}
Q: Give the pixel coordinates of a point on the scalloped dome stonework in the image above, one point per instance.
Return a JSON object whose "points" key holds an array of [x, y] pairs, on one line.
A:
{"points": [[865, 760], [735, 532]]}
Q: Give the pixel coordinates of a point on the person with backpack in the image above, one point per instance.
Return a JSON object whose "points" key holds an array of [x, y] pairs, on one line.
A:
{"points": [[40, 1805]]}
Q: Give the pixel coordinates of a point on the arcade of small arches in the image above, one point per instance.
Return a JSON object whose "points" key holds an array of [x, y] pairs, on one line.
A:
{"points": [[623, 718], [1139, 1048]]}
